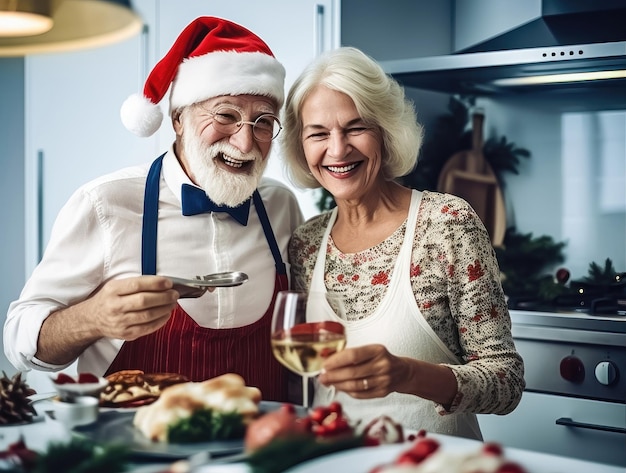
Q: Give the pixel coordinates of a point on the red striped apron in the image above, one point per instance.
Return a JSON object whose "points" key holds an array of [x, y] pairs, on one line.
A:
{"points": [[182, 346]]}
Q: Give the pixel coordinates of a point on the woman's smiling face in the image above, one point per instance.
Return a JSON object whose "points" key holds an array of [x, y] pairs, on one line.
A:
{"points": [[342, 151]]}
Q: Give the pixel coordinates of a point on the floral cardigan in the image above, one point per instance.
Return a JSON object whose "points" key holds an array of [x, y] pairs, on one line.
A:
{"points": [[456, 282]]}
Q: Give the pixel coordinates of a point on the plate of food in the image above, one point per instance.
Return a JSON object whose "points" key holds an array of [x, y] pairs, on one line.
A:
{"points": [[184, 416], [437, 453], [117, 427]]}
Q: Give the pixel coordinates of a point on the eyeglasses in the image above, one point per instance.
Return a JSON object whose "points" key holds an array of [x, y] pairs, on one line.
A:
{"points": [[228, 120]]}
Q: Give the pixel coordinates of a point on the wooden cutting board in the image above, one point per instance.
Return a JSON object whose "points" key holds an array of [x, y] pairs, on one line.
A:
{"points": [[467, 174]]}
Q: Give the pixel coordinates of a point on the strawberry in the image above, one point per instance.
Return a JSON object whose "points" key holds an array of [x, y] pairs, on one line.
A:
{"points": [[335, 407], [63, 378], [338, 425], [319, 414], [319, 430], [425, 447], [85, 378], [408, 458]]}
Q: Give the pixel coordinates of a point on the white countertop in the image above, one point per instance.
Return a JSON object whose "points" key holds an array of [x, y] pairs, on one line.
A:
{"points": [[44, 430]]}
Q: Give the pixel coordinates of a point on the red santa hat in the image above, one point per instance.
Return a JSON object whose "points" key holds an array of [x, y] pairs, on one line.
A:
{"points": [[211, 57]]}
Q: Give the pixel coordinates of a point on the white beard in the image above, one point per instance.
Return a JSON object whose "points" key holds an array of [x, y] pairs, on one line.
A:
{"points": [[221, 186]]}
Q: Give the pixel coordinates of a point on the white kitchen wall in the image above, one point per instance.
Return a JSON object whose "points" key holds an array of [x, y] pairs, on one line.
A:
{"points": [[12, 213], [573, 187]]}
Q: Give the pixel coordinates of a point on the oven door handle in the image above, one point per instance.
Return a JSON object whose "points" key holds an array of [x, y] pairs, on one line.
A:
{"points": [[581, 425]]}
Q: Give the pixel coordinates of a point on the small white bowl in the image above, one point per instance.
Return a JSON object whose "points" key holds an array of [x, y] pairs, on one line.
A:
{"points": [[82, 410], [67, 391]]}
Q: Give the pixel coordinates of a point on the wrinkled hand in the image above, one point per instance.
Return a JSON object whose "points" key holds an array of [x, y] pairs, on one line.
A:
{"points": [[364, 372], [130, 308]]}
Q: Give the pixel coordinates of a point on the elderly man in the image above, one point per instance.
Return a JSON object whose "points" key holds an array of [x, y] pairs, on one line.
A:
{"points": [[100, 296]]}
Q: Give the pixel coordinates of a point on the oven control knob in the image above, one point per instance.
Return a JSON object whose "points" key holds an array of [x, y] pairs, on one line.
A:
{"points": [[606, 372], [572, 369]]}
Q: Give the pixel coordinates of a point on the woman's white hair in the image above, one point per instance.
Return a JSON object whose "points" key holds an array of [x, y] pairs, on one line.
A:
{"points": [[378, 98]]}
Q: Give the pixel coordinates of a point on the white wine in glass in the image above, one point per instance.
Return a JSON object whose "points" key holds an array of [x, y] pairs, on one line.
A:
{"points": [[306, 329]]}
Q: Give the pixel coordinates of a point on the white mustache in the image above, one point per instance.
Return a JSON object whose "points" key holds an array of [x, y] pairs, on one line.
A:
{"points": [[230, 152]]}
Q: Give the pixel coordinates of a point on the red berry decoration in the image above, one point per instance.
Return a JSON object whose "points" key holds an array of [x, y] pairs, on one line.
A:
{"points": [[335, 407], [562, 275], [63, 378], [510, 467], [493, 449], [87, 378], [408, 458], [319, 414], [328, 421], [425, 447]]}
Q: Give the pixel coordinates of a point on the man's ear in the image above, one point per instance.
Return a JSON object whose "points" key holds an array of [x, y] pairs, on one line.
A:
{"points": [[176, 123]]}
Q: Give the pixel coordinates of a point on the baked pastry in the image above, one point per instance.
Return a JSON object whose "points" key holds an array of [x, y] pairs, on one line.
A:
{"points": [[133, 388], [226, 393]]}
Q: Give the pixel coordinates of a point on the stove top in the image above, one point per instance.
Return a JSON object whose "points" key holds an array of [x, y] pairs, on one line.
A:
{"points": [[579, 303], [574, 320], [595, 299]]}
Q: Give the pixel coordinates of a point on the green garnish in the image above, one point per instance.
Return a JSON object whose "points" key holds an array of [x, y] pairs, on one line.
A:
{"points": [[82, 456], [206, 425], [281, 454]]}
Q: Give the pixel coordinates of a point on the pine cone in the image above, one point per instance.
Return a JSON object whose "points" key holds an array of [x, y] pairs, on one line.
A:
{"points": [[15, 407]]}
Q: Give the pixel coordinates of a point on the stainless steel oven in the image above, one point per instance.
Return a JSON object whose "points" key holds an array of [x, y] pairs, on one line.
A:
{"points": [[575, 399]]}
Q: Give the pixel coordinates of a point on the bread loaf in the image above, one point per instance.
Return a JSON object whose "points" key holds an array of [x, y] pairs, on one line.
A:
{"points": [[226, 393]]}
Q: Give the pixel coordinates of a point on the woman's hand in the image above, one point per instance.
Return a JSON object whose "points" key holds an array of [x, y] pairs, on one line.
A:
{"points": [[365, 372], [371, 371]]}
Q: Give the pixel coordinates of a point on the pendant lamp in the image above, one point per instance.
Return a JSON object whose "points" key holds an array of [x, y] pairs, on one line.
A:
{"points": [[47, 26]]}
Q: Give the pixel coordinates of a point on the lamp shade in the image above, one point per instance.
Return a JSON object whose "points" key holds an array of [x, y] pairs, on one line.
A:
{"points": [[77, 24], [25, 17]]}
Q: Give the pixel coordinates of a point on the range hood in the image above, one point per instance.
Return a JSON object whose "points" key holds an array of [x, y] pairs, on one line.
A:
{"points": [[574, 53]]}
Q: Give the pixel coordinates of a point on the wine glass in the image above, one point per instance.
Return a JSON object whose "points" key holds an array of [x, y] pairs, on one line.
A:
{"points": [[306, 329]]}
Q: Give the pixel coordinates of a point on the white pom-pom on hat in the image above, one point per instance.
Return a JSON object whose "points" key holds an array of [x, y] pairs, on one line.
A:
{"points": [[141, 116], [211, 57]]}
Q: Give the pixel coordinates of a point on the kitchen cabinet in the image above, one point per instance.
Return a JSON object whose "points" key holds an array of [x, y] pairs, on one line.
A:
{"points": [[532, 426]]}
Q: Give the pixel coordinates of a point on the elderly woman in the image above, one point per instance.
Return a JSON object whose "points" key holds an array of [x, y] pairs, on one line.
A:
{"points": [[429, 340]]}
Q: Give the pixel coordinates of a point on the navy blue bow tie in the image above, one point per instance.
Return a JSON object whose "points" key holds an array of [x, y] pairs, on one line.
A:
{"points": [[195, 201]]}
